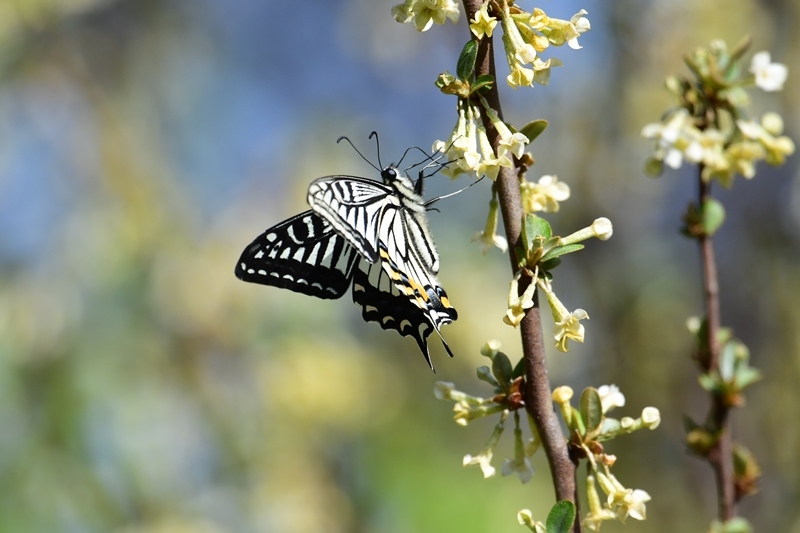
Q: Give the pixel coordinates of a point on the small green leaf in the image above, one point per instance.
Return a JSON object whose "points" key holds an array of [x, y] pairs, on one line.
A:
{"points": [[746, 376], [591, 409], [466, 61], [482, 83], [519, 369], [709, 382], [561, 517], [533, 227], [712, 215], [444, 79], [501, 368], [485, 374], [736, 525], [562, 250], [550, 264], [654, 167], [534, 128]]}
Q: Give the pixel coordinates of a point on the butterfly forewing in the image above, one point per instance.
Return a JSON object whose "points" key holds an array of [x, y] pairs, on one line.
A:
{"points": [[303, 254], [353, 206]]}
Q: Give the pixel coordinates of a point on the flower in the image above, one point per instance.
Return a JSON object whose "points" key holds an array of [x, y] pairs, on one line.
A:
{"points": [[484, 458], [488, 237], [543, 196], [520, 464], [563, 394], [518, 304], [509, 142], [767, 133], [581, 25], [651, 417], [597, 513], [423, 13], [601, 229], [625, 502], [484, 23], [769, 76], [490, 164], [610, 397], [569, 327], [675, 139]]}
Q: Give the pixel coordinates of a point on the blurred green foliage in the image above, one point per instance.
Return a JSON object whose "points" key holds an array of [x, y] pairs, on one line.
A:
{"points": [[144, 389]]}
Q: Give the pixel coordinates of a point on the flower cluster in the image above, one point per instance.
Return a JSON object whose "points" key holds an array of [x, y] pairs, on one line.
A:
{"points": [[507, 397], [708, 128], [423, 13], [590, 426], [469, 147], [722, 155], [525, 35]]}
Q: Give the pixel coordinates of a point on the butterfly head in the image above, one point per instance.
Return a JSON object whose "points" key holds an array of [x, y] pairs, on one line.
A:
{"points": [[392, 177]]}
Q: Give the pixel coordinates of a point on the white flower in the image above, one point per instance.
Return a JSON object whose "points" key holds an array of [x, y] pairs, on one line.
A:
{"points": [[676, 139], [769, 76], [484, 460], [581, 25], [509, 142], [518, 304], [423, 13], [569, 327], [543, 196], [602, 228], [610, 397], [651, 417]]}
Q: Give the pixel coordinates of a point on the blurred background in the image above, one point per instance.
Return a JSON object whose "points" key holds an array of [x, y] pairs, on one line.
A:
{"points": [[143, 388]]}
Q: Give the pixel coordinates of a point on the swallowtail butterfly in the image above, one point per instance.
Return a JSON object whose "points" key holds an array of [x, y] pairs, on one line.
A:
{"points": [[366, 233]]}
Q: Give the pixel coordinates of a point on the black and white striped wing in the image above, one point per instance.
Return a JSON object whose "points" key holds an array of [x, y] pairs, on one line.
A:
{"points": [[409, 257], [382, 302], [353, 206], [303, 254]]}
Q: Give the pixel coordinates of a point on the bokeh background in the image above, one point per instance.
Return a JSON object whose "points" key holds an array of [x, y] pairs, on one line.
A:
{"points": [[143, 388]]}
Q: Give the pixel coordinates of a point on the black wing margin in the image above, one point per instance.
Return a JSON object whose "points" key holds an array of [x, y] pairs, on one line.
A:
{"points": [[382, 302], [303, 254]]}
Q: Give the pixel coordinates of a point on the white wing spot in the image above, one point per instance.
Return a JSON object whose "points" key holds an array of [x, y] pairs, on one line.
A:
{"points": [[271, 237], [262, 272], [259, 255], [298, 255], [312, 257], [285, 253]]}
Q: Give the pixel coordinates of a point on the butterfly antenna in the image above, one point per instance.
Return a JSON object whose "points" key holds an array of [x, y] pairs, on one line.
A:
{"points": [[378, 148], [359, 153], [432, 200], [415, 164]]}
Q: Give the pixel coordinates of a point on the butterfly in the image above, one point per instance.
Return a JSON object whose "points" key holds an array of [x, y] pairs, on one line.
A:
{"points": [[370, 235]]}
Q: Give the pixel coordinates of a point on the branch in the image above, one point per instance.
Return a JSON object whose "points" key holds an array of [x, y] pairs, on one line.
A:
{"points": [[720, 456], [538, 399]]}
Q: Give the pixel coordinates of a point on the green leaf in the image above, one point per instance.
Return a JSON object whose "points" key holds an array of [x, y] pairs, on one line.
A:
{"points": [[709, 382], [533, 227], [519, 369], [746, 376], [591, 409], [712, 215], [550, 264], [466, 61], [533, 129], [482, 83], [485, 374], [501, 368], [562, 250], [561, 517]]}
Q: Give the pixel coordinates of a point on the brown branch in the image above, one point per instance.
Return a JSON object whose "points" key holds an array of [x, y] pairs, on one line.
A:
{"points": [[720, 456], [538, 399]]}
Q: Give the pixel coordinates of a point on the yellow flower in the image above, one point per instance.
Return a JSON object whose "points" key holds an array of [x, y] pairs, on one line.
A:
{"points": [[518, 304], [484, 23], [569, 327]]}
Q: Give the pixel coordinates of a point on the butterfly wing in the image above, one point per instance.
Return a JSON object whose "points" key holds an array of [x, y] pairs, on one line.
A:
{"points": [[303, 254], [409, 257], [381, 301], [353, 206]]}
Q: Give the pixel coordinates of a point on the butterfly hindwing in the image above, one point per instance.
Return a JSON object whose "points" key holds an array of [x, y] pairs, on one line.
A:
{"points": [[380, 301], [303, 254]]}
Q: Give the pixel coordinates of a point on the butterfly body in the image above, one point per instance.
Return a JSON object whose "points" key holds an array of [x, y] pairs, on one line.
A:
{"points": [[366, 233]]}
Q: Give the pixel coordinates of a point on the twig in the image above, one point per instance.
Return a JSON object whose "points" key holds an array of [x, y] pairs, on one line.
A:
{"points": [[720, 456]]}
